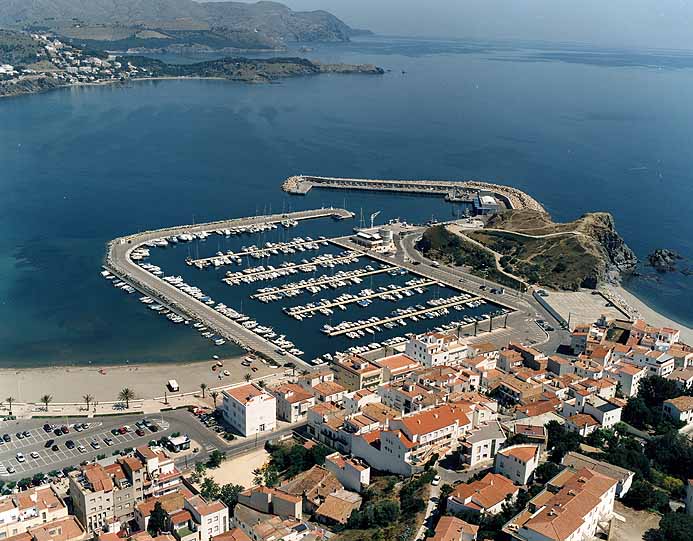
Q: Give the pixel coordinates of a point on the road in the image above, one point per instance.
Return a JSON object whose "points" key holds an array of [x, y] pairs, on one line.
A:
{"points": [[173, 421], [528, 310], [118, 261]]}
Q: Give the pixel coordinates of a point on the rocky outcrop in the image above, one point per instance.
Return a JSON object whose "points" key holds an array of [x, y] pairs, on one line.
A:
{"points": [[619, 258], [663, 260]]}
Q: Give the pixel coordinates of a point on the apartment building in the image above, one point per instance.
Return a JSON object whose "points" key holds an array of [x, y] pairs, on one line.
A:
{"points": [[25, 510], [353, 373], [249, 409], [293, 402], [435, 349], [628, 376], [518, 462], [679, 409], [397, 367], [486, 495], [570, 509]]}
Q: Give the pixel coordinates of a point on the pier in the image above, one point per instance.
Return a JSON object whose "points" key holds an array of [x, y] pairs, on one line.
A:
{"points": [[118, 261], [326, 280], [267, 274], [357, 298], [395, 319], [453, 191]]}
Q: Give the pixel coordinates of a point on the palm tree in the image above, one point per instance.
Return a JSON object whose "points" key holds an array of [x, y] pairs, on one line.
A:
{"points": [[247, 377], [88, 399], [9, 400], [203, 388], [126, 395], [46, 399], [214, 395]]}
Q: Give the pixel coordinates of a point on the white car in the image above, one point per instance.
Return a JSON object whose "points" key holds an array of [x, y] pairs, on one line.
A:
{"points": [[436, 481], [20, 458], [35, 455], [81, 449]]}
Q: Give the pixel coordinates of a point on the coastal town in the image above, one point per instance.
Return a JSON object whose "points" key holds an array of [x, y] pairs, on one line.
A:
{"points": [[535, 427]]}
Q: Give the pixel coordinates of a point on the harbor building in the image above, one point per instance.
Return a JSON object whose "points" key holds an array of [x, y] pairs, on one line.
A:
{"points": [[249, 409]]}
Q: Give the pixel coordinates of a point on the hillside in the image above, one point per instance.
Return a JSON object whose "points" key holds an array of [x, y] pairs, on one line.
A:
{"points": [[529, 245], [18, 49], [155, 24]]}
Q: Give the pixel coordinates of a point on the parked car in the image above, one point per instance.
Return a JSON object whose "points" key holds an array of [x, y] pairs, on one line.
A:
{"points": [[55, 448], [139, 432], [436, 481], [7, 438], [49, 443], [70, 444], [35, 455], [64, 429], [20, 457], [81, 449], [95, 444]]}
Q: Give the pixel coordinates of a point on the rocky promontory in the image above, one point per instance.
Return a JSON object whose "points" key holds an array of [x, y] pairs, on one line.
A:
{"points": [[664, 260]]}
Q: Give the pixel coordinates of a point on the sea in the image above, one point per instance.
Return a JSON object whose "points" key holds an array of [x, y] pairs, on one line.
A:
{"points": [[579, 128]]}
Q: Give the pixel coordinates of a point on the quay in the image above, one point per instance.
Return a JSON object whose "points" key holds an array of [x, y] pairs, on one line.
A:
{"points": [[395, 319], [268, 273], [357, 298], [453, 191], [119, 262], [326, 280], [257, 250]]}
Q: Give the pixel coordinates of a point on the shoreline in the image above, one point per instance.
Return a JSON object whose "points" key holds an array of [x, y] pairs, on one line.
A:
{"points": [[68, 384]]}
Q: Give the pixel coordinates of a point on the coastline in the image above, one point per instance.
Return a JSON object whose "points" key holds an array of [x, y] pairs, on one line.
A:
{"points": [[68, 384]]}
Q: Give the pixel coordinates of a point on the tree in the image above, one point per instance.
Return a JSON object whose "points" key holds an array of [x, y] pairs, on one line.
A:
{"points": [[545, 472], [445, 491], [247, 377], [642, 495], [157, 520], [203, 388], [216, 457], [209, 489], [10, 401], [214, 395], [46, 399], [126, 395], [672, 527], [561, 441], [88, 399], [229, 495]]}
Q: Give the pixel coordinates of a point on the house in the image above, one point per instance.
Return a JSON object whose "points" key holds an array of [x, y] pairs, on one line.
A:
{"points": [[518, 462], [436, 348], [397, 367], [679, 409], [536, 434], [683, 378], [338, 506], [484, 496], [61, 529], [353, 373], [514, 390], [624, 477], [407, 396], [628, 377], [249, 409], [570, 509], [606, 412], [353, 473], [236, 534], [582, 423], [356, 401], [209, 518], [559, 365], [293, 402], [454, 529], [22, 511], [272, 501], [482, 443], [266, 527]]}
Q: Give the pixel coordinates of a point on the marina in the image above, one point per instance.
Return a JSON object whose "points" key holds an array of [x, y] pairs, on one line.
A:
{"points": [[227, 306]]}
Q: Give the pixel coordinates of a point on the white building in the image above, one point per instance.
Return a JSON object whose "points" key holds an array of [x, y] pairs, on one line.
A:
{"points": [[518, 462], [680, 409], [435, 349], [249, 409], [351, 472]]}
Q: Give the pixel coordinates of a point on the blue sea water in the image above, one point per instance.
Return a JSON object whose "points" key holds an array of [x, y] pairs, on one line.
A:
{"points": [[579, 129]]}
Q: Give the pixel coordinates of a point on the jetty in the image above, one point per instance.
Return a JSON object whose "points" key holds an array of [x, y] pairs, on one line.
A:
{"points": [[118, 260], [454, 191]]}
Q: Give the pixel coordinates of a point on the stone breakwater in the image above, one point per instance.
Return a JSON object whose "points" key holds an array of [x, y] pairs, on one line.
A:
{"points": [[452, 190]]}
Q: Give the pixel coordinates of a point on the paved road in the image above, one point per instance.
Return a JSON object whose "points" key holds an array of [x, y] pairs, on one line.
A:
{"points": [[523, 303], [173, 421], [118, 260]]}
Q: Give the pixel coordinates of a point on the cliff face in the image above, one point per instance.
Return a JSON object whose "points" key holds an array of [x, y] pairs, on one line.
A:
{"points": [[617, 256]]}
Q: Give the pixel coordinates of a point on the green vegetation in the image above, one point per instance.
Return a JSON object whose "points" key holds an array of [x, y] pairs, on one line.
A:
{"points": [[573, 255], [391, 510], [644, 411], [287, 461], [672, 527], [157, 520], [18, 49], [440, 244]]}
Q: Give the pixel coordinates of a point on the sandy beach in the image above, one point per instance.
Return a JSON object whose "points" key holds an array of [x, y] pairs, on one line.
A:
{"points": [[653, 317], [70, 383]]}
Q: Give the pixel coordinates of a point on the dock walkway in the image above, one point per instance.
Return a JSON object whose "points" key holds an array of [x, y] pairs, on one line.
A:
{"points": [[119, 262]]}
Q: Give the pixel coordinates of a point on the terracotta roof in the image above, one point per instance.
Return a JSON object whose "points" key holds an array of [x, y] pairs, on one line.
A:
{"points": [[487, 492], [98, 478], [564, 513], [451, 529], [524, 453], [246, 393], [329, 388], [181, 516], [682, 403], [583, 419], [394, 362], [292, 393], [339, 506], [629, 369], [232, 535], [203, 507], [434, 419]]}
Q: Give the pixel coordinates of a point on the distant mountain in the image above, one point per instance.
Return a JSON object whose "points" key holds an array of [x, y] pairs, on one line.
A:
{"points": [[117, 24]]}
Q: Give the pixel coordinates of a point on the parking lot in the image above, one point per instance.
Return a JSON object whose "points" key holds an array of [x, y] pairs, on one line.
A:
{"points": [[99, 438]]}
